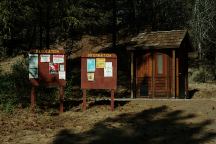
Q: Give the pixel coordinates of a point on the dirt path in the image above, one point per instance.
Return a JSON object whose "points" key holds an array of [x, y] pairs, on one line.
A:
{"points": [[148, 121]]}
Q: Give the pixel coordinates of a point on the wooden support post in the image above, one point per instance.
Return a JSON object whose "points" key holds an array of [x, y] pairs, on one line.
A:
{"points": [[177, 77], [61, 91], [167, 76], [169, 85], [186, 86], [153, 74], [112, 100], [84, 100], [132, 75], [173, 74], [33, 98]]}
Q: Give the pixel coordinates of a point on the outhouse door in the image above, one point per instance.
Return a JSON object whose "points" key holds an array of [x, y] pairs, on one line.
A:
{"points": [[152, 75]]}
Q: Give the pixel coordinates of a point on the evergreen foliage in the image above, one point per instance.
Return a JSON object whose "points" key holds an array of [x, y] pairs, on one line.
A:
{"points": [[26, 24]]}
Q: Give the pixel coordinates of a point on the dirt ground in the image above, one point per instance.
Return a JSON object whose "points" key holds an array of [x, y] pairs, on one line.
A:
{"points": [[202, 90], [190, 121], [141, 122]]}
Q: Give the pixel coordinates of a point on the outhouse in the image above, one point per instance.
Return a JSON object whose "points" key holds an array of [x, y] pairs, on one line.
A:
{"points": [[159, 64]]}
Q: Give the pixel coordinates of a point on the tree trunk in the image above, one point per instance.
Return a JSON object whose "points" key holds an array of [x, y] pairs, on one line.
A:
{"points": [[114, 30], [133, 16], [47, 25], [200, 51], [32, 37], [41, 29]]}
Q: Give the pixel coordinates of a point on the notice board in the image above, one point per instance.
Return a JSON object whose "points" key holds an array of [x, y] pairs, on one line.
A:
{"points": [[47, 67], [99, 71]]}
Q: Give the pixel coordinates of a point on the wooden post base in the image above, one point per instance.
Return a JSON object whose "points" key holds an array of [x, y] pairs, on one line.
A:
{"points": [[61, 91], [84, 101], [33, 99], [112, 100]]}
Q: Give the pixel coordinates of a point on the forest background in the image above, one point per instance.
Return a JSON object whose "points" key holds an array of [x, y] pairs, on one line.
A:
{"points": [[43, 24]]}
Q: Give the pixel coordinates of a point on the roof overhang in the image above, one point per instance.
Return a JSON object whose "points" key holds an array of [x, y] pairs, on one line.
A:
{"points": [[159, 40]]}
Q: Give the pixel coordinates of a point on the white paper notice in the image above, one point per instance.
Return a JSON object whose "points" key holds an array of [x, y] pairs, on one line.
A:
{"points": [[45, 58], [108, 70], [33, 60], [62, 75], [61, 67], [33, 73], [58, 58]]}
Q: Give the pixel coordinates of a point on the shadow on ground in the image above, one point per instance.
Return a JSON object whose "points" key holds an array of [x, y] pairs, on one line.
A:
{"points": [[68, 105], [74, 105], [191, 93], [152, 126], [107, 102]]}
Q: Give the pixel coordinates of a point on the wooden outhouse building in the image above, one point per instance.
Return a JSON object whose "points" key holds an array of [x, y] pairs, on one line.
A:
{"points": [[159, 64]]}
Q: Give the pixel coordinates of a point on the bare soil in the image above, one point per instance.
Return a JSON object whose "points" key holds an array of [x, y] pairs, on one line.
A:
{"points": [[202, 90], [143, 121], [191, 121]]}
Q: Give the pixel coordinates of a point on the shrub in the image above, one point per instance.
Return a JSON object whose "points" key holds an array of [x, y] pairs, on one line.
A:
{"points": [[200, 75], [7, 94], [21, 81]]}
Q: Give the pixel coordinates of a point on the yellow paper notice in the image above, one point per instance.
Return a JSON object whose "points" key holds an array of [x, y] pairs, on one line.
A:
{"points": [[100, 62]]}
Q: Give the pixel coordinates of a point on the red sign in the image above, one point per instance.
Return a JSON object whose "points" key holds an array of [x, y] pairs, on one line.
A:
{"points": [[99, 71], [47, 67]]}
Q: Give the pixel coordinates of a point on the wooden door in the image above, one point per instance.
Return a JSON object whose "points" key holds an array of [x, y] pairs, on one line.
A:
{"points": [[144, 74], [152, 75], [161, 75]]}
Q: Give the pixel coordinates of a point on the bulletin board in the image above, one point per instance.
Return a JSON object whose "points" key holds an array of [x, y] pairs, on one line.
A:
{"points": [[47, 67], [99, 71]]}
